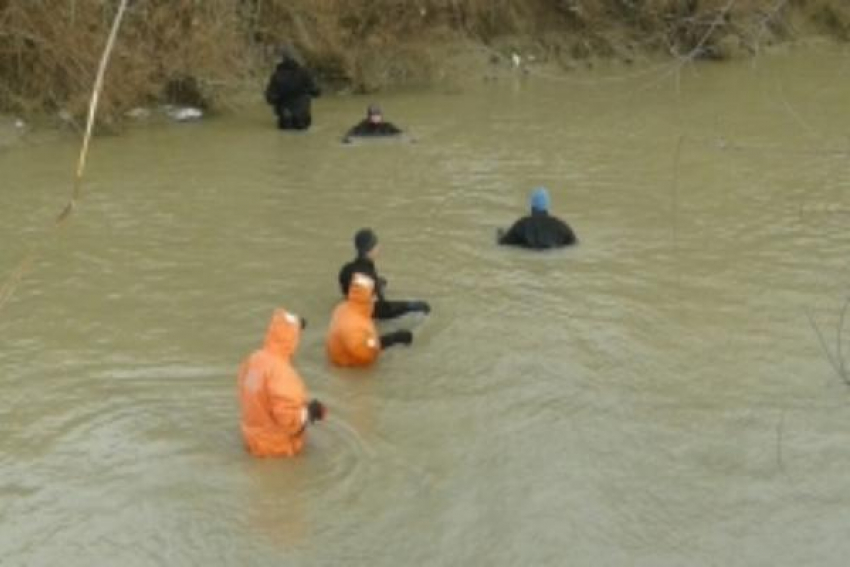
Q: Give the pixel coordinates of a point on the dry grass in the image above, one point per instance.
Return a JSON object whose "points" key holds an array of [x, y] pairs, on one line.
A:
{"points": [[177, 50], [190, 51]]}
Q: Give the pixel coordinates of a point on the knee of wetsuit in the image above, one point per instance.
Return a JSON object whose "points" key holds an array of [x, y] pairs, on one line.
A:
{"points": [[400, 337]]}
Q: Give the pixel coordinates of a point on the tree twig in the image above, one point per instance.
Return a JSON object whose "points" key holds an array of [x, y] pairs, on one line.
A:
{"points": [[841, 365], [95, 98], [836, 365], [11, 283], [780, 429]]}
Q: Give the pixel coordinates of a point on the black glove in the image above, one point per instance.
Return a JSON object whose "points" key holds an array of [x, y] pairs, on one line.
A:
{"points": [[403, 337], [316, 411], [419, 306]]}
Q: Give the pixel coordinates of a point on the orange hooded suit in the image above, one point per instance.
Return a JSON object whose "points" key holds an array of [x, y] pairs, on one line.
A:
{"points": [[272, 394], [352, 338]]}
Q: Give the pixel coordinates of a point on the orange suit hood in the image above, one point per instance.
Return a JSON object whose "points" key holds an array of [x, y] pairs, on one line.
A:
{"points": [[283, 334], [361, 294], [272, 395], [352, 337]]}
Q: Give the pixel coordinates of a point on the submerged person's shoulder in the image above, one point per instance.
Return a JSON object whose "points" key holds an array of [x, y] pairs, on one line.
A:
{"points": [[368, 130], [539, 232], [561, 233]]}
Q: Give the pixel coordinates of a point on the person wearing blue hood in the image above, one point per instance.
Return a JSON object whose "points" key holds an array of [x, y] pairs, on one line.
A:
{"points": [[539, 230], [366, 245]]}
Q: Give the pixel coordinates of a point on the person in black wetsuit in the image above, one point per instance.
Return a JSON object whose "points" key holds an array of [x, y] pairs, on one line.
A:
{"points": [[289, 92], [372, 126], [366, 244], [539, 230]]}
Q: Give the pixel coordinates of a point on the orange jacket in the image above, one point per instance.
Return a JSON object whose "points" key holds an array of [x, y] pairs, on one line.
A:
{"points": [[352, 338], [272, 394]]}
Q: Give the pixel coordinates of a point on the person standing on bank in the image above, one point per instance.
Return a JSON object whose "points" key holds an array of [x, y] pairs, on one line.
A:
{"points": [[539, 230], [272, 396], [366, 245], [289, 91]]}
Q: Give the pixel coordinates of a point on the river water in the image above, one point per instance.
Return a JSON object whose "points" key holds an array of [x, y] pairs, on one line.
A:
{"points": [[655, 396]]}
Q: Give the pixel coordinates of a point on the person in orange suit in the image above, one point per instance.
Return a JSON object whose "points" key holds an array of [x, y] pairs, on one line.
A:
{"points": [[272, 396], [352, 337]]}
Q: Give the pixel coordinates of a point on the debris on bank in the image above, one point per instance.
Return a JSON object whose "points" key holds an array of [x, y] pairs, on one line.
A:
{"points": [[183, 113]]}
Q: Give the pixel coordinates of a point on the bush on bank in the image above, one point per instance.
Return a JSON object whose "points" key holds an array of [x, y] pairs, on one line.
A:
{"points": [[201, 52]]}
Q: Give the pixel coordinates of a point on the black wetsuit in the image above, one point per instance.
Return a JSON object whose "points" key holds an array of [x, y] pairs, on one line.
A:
{"points": [[368, 129], [384, 309], [289, 91], [539, 230]]}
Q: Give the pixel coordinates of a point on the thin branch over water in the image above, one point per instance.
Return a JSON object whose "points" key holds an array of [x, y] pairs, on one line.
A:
{"points": [[835, 360], [10, 285], [780, 429]]}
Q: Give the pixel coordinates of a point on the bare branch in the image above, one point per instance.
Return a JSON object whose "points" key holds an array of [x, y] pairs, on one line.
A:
{"points": [[841, 365], [838, 366], [780, 429], [8, 287]]}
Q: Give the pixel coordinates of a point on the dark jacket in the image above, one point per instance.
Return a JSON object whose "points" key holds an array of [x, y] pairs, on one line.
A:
{"points": [[368, 129], [539, 230], [289, 91], [361, 265]]}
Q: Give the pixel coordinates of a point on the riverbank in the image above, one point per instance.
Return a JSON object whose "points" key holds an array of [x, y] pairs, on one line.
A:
{"points": [[204, 54]]}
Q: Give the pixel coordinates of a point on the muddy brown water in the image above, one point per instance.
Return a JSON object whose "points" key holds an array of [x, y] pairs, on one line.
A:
{"points": [[655, 396]]}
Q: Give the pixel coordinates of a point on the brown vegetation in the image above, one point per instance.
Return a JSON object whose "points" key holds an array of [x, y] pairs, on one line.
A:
{"points": [[194, 52]]}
